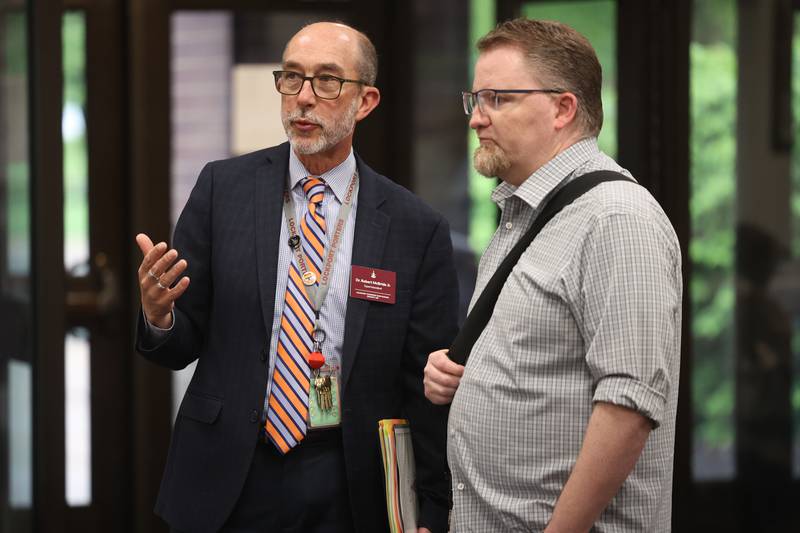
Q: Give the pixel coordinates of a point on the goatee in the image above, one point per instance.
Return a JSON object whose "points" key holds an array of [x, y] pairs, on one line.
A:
{"points": [[490, 160]]}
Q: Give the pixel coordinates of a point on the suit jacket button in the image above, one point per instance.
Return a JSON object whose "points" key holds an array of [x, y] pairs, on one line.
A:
{"points": [[264, 354], [253, 416]]}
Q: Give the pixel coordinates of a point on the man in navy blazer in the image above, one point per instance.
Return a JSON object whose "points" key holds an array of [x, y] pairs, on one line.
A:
{"points": [[224, 472]]}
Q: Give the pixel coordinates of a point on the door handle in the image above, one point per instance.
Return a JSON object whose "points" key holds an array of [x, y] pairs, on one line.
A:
{"points": [[102, 293]]}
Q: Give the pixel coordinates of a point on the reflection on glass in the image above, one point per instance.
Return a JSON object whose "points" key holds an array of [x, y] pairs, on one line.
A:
{"points": [[73, 130], [795, 249], [20, 424], [78, 417], [597, 21], [16, 380], [713, 75], [15, 179]]}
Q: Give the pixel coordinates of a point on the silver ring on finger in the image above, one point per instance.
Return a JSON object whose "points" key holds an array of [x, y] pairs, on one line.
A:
{"points": [[161, 285], [152, 274]]}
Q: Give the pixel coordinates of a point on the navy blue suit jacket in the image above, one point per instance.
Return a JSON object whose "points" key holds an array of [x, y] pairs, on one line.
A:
{"points": [[228, 233]]}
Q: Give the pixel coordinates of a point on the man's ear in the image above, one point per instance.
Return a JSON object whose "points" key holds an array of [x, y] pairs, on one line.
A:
{"points": [[370, 97], [566, 109]]}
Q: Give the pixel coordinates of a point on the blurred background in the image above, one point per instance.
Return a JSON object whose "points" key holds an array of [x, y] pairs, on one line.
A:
{"points": [[110, 108]]}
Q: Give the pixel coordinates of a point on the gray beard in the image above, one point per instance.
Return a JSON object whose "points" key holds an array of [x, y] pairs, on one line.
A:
{"points": [[330, 134]]}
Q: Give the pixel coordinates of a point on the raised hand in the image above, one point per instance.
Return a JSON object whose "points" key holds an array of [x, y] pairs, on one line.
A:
{"points": [[157, 281]]}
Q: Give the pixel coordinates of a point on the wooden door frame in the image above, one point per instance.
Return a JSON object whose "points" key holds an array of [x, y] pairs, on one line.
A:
{"points": [[107, 175], [47, 263], [111, 326]]}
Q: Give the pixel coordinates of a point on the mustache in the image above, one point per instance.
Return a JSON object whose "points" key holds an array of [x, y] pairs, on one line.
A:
{"points": [[303, 114]]}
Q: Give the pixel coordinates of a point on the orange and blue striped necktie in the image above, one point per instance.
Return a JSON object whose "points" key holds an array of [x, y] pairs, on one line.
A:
{"points": [[287, 412]]}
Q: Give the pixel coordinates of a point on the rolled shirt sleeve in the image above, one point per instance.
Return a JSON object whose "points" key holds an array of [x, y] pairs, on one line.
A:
{"points": [[631, 309]]}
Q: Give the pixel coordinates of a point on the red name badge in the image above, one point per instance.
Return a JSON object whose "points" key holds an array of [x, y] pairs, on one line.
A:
{"points": [[373, 284]]}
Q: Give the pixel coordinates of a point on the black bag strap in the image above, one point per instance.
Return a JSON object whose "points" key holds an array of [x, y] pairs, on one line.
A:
{"points": [[484, 307]]}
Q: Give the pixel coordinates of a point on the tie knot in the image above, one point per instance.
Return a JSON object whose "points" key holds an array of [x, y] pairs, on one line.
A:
{"points": [[314, 189]]}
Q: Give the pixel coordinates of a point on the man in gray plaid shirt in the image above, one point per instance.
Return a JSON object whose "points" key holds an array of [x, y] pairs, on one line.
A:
{"points": [[563, 419]]}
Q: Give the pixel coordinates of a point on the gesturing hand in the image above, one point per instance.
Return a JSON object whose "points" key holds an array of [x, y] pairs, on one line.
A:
{"points": [[157, 274]]}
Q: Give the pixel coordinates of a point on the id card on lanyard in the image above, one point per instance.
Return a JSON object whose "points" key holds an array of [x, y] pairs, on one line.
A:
{"points": [[325, 409]]}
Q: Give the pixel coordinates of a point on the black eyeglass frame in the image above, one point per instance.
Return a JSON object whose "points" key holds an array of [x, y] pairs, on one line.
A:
{"points": [[471, 99], [277, 74]]}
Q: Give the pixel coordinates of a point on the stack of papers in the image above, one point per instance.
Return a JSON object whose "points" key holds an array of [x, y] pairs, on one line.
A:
{"points": [[398, 466]]}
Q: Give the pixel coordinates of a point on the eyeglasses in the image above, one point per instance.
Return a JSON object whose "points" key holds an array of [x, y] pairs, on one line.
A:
{"points": [[326, 86], [494, 98]]}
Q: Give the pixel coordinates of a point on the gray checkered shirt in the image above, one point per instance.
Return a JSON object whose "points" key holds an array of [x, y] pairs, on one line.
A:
{"points": [[592, 312]]}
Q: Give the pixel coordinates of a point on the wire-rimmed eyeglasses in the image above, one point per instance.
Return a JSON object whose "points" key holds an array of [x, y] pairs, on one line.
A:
{"points": [[491, 99], [325, 86]]}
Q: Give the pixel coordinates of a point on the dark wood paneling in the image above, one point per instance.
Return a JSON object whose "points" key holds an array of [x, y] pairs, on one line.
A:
{"points": [[149, 205], [47, 264], [653, 81], [111, 338], [384, 138]]}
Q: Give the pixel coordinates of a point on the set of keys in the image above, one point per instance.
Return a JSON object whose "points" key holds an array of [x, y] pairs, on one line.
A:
{"points": [[324, 402], [322, 383]]}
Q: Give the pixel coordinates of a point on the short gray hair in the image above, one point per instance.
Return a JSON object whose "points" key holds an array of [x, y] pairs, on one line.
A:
{"points": [[368, 60]]}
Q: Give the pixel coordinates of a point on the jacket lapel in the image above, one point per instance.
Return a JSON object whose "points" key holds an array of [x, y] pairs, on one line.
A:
{"points": [[369, 239], [270, 183]]}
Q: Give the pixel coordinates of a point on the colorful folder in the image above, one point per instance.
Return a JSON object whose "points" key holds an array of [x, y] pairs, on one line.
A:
{"points": [[398, 466]]}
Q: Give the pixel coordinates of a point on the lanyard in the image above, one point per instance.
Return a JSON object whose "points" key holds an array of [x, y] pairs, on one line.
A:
{"points": [[316, 294]]}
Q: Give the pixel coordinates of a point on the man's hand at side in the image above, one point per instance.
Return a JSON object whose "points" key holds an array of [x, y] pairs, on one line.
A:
{"points": [[157, 274], [442, 377]]}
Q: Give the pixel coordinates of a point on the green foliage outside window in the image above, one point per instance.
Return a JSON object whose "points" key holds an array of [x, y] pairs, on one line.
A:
{"points": [[76, 159], [713, 80], [597, 21], [16, 173], [483, 213]]}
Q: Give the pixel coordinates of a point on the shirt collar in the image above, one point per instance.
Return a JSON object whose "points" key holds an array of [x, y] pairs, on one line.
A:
{"points": [[542, 182], [337, 178]]}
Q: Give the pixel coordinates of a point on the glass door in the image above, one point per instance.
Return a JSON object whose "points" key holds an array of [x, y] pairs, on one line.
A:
{"points": [[16, 315]]}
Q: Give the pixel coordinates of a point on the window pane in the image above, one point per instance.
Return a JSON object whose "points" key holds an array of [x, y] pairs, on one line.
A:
{"points": [[713, 75], [73, 130], [20, 423], [78, 417], [16, 178], [597, 21], [16, 385]]}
